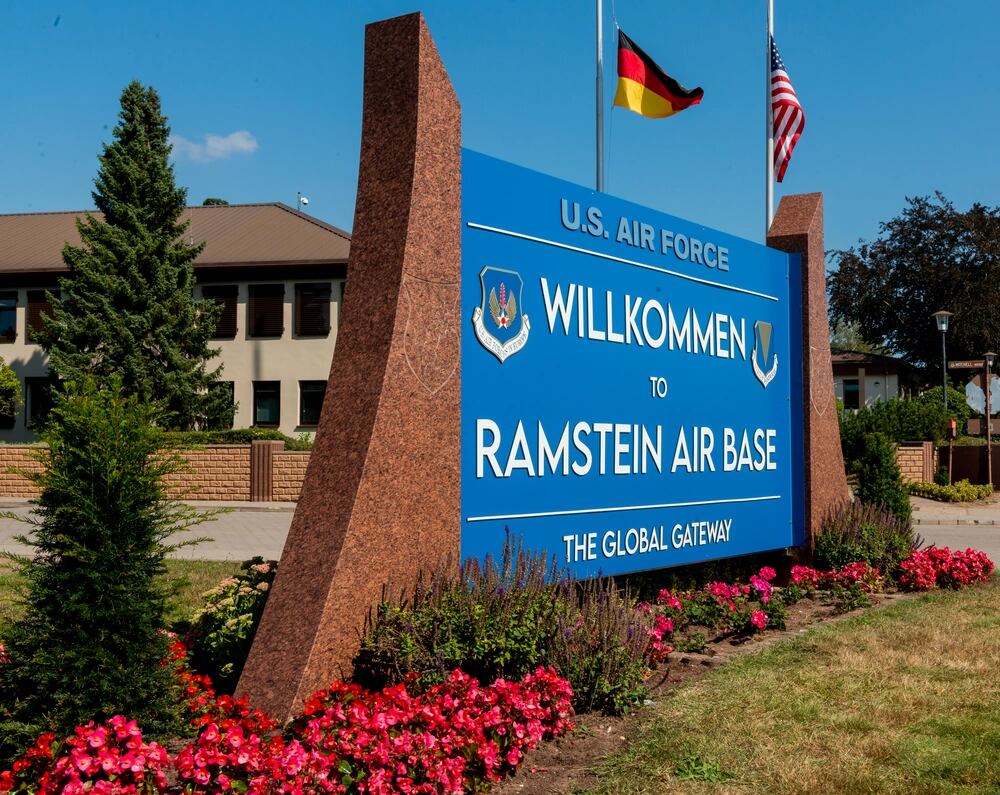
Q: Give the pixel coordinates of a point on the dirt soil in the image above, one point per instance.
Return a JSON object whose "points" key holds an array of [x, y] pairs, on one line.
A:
{"points": [[568, 764]]}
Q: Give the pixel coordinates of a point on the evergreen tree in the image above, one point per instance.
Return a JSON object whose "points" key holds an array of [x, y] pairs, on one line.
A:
{"points": [[90, 642], [127, 307], [880, 481]]}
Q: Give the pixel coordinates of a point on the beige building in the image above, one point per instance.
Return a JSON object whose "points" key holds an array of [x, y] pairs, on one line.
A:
{"points": [[861, 380], [278, 273]]}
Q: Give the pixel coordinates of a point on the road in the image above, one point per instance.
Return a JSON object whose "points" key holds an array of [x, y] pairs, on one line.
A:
{"points": [[249, 529]]}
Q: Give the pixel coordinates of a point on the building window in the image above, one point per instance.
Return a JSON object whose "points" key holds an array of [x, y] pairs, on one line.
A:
{"points": [[311, 394], [39, 308], [37, 400], [226, 296], [852, 394], [267, 403], [8, 317], [225, 410], [312, 310], [266, 310]]}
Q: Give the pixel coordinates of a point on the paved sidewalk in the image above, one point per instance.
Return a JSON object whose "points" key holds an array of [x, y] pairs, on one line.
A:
{"points": [[244, 530], [929, 512]]}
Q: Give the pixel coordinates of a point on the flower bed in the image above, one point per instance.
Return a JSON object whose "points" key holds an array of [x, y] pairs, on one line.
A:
{"points": [[455, 737], [738, 610]]}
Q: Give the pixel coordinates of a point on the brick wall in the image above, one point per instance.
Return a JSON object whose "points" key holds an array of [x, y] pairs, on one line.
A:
{"points": [[217, 472], [916, 461], [289, 472], [18, 457]]}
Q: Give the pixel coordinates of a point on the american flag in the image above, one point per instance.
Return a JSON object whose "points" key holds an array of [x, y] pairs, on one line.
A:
{"points": [[787, 117]]}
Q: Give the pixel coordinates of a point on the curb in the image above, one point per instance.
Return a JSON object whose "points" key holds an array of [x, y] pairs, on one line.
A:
{"points": [[960, 522]]}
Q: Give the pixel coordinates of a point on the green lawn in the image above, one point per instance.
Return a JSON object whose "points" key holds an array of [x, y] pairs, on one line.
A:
{"points": [[900, 700], [195, 577]]}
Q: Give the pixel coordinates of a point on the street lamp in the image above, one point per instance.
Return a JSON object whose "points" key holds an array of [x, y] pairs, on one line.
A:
{"points": [[942, 317], [989, 356]]}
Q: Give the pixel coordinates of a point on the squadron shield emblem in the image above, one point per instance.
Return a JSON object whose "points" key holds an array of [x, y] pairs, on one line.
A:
{"points": [[762, 344], [501, 325]]}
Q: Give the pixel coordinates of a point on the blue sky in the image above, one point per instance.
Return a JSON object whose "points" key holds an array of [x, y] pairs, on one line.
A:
{"points": [[901, 98]]}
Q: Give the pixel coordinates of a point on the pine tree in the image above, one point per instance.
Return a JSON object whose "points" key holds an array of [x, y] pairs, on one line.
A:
{"points": [[90, 642], [127, 307]]}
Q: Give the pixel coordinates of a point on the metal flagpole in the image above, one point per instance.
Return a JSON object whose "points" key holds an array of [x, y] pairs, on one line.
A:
{"points": [[600, 95], [769, 121]]}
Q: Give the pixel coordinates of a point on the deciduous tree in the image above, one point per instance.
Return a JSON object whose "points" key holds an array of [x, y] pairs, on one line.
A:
{"points": [[930, 257]]}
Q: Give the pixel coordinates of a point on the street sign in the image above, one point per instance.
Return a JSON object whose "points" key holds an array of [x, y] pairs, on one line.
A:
{"points": [[975, 427], [967, 364]]}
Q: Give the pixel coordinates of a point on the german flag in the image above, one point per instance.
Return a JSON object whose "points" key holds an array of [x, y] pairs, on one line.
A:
{"points": [[645, 88]]}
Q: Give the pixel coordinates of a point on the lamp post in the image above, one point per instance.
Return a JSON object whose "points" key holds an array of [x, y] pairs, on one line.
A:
{"points": [[942, 317], [989, 357]]}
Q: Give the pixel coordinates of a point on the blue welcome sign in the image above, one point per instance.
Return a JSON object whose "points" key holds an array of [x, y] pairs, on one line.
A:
{"points": [[631, 382]]}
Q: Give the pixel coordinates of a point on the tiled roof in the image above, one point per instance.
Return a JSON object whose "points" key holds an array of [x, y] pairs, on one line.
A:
{"points": [[237, 234]]}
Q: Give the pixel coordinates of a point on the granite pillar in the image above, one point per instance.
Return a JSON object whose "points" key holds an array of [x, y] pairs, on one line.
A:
{"points": [[380, 500], [798, 229]]}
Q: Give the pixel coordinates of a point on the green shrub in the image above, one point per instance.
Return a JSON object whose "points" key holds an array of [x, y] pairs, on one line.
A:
{"points": [[963, 491], [503, 619], [857, 532], [10, 391], [221, 633], [599, 646], [899, 420], [90, 643], [879, 479], [957, 407], [182, 439]]}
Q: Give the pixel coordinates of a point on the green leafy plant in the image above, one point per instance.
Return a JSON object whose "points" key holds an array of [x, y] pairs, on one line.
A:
{"points": [[692, 642], [846, 598], [957, 407], [599, 646], [10, 391], [505, 617], [223, 630], [880, 482], [855, 532], [90, 642], [692, 767], [962, 491]]}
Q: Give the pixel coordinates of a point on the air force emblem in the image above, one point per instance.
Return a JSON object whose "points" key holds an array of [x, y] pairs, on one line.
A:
{"points": [[762, 342], [501, 325]]}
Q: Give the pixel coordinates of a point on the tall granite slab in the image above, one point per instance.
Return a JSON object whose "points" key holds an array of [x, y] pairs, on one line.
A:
{"points": [[380, 499], [798, 229]]}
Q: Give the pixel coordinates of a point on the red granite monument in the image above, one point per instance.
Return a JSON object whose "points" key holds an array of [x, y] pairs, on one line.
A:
{"points": [[380, 498]]}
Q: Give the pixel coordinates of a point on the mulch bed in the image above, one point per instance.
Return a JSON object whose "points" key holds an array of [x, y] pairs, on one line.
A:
{"points": [[568, 764]]}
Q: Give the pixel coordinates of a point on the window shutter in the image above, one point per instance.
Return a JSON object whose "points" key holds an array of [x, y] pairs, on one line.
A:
{"points": [[226, 296], [312, 310], [38, 306], [266, 308]]}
